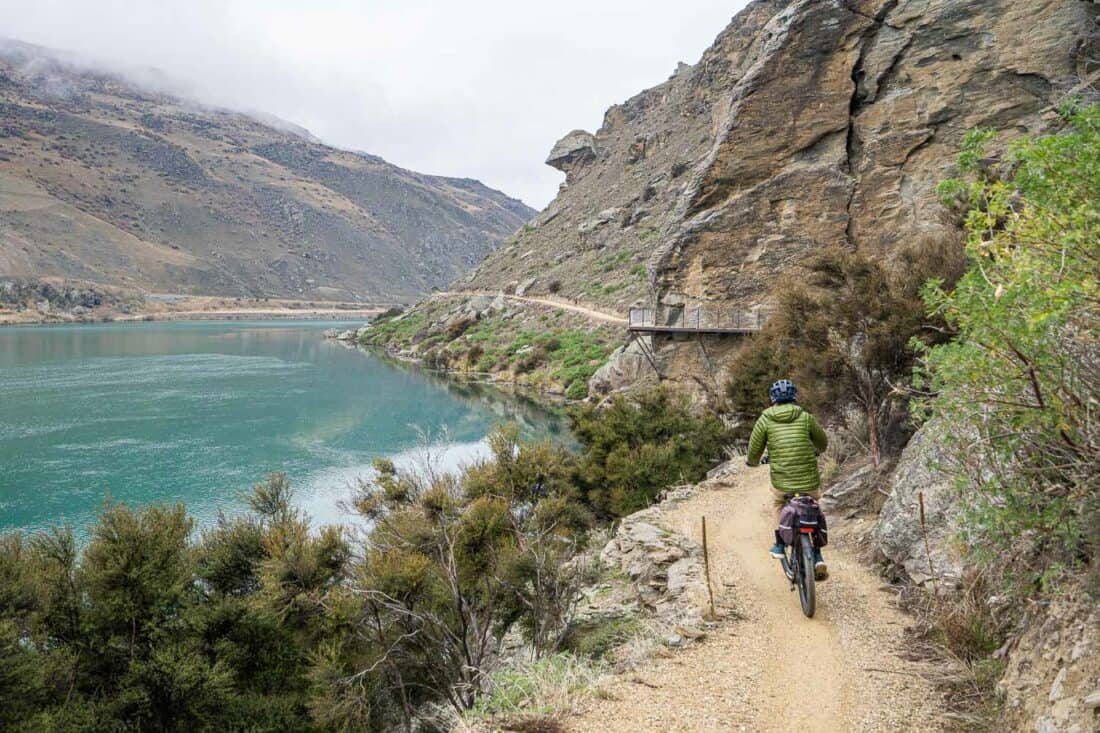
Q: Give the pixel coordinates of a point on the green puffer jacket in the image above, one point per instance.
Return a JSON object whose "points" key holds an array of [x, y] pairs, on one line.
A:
{"points": [[793, 439]]}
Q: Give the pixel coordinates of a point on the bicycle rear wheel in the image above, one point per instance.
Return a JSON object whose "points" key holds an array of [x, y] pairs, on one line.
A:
{"points": [[807, 592]]}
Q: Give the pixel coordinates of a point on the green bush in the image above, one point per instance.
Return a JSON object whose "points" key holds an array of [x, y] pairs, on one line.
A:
{"points": [[1019, 383], [149, 629], [454, 562], [577, 389], [614, 260], [634, 448], [397, 329]]}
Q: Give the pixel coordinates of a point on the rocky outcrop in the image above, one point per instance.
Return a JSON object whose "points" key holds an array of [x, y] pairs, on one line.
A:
{"points": [[627, 366], [346, 335], [572, 151], [885, 90], [899, 534], [1052, 673], [59, 299], [808, 123], [854, 494], [665, 567]]}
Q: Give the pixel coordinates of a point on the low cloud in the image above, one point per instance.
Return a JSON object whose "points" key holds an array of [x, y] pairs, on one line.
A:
{"points": [[479, 89]]}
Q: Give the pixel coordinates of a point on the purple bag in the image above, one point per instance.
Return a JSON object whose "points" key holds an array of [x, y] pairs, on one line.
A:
{"points": [[800, 512]]}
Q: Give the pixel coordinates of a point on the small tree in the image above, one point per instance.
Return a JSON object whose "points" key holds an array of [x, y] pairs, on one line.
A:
{"points": [[454, 562], [845, 335]]}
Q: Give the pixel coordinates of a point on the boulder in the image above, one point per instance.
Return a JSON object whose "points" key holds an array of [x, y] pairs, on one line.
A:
{"points": [[899, 535], [526, 285], [626, 366], [572, 151], [479, 303], [853, 493]]}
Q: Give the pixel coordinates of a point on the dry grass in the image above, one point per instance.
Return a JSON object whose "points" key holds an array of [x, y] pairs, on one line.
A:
{"points": [[962, 632]]}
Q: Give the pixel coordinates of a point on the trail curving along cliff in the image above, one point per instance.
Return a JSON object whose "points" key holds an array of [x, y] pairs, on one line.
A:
{"points": [[551, 302], [767, 667]]}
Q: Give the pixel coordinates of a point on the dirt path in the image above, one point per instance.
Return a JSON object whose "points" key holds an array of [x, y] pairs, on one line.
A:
{"points": [[596, 315], [773, 669]]}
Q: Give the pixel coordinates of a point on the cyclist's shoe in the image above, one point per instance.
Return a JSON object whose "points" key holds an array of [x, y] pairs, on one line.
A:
{"points": [[777, 551], [821, 570]]}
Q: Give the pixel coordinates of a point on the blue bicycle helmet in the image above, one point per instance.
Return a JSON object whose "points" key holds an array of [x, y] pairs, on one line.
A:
{"points": [[783, 391]]}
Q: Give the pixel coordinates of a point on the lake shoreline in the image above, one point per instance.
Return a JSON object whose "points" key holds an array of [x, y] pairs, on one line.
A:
{"points": [[542, 398], [227, 315], [69, 304]]}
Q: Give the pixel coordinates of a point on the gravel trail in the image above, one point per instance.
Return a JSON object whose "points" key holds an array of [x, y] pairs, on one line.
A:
{"points": [[569, 305], [766, 667]]}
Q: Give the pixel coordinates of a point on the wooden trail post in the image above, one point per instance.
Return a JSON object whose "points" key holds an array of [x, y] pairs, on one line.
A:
{"points": [[924, 532], [706, 569]]}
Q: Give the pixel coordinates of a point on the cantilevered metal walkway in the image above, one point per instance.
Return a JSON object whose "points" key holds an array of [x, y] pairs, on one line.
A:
{"points": [[645, 325], [700, 321]]}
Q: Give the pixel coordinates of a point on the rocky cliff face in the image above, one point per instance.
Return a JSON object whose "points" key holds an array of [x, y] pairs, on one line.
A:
{"points": [[808, 123], [840, 119], [108, 182]]}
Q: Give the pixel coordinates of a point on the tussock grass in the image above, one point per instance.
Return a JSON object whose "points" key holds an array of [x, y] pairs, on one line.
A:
{"points": [[547, 689], [964, 631]]}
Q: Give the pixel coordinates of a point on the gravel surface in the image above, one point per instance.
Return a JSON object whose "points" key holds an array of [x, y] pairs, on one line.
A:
{"points": [[766, 667]]}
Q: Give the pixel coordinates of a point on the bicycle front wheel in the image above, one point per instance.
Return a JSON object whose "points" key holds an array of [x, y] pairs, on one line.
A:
{"points": [[807, 592]]}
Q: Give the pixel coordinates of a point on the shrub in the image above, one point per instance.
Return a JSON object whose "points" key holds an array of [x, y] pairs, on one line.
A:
{"points": [[847, 335], [454, 562], [459, 327], [635, 448], [473, 356], [533, 359], [147, 629], [1019, 383], [389, 313], [577, 389], [597, 638]]}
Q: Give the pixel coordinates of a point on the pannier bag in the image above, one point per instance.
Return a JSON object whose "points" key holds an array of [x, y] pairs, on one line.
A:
{"points": [[802, 511]]}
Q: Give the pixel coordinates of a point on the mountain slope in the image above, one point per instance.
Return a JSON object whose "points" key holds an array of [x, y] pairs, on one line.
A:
{"points": [[103, 180], [807, 123]]}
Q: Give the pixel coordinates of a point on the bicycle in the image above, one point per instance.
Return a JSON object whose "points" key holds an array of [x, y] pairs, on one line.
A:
{"points": [[798, 566]]}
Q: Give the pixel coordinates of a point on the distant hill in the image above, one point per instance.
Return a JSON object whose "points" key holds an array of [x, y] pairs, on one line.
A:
{"points": [[108, 180]]}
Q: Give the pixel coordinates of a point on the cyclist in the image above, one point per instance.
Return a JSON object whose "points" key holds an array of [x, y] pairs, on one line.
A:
{"points": [[793, 439]]}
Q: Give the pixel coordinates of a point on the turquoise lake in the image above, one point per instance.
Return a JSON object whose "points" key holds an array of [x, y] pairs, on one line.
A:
{"points": [[197, 412]]}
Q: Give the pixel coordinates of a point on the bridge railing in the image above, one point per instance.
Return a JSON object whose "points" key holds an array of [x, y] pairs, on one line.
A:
{"points": [[672, 318]]}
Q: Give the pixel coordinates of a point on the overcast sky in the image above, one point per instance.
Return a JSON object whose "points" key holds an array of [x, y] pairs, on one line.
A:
{"points": [[479, 88]]}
